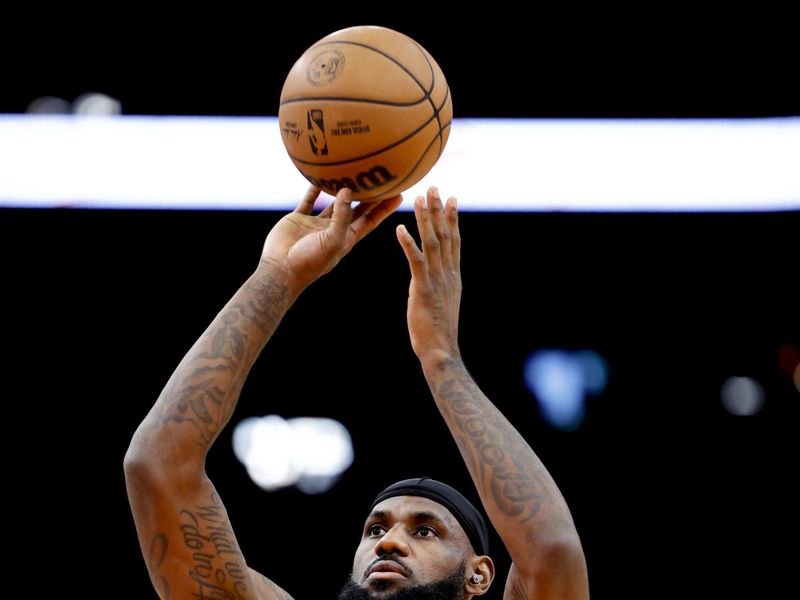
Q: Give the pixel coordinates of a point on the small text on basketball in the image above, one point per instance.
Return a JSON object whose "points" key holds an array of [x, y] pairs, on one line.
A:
{"points": [[366, 181]]}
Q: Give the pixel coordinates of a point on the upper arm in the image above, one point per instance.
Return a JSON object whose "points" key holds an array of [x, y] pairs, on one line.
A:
{"points": [[187, 540], [268, 588], [559, 573]]}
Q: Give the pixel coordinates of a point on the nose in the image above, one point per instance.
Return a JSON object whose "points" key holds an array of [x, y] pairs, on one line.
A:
{"points": [[393, 541]]}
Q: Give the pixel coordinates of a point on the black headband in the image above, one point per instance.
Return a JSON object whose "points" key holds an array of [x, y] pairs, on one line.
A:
{"points": [[465, 513]]}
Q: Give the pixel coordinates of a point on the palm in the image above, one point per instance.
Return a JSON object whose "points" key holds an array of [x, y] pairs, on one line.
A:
{"points": [[308, 246], [308, 243]]}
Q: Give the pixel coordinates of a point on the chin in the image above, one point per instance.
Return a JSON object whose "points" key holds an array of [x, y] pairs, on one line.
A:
{"points": [[385, 586]]}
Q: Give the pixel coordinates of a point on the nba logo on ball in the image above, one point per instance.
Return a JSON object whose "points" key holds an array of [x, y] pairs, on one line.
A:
{"points": [[316, 132], [366, 108]]}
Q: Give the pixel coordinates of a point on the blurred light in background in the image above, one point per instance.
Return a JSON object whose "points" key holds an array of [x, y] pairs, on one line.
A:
{"points": [[51, 160], [560, 381], [49, 105], [594, 370], [307, 452], [742, 396], [88, 104], [96, 105]]}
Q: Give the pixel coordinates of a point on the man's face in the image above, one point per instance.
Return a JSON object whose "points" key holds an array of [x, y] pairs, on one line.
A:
{"points": [[409, 541]]}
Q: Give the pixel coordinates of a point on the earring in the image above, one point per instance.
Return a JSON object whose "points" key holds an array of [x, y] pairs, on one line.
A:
{"points": [[477, 578]]}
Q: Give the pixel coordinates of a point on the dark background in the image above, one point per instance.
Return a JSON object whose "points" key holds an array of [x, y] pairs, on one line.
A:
{"points": [[500, 59], [670, 493]]}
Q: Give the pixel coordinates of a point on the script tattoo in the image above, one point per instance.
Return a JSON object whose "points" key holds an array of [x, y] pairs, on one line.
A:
{"points": [[204, 391], [495, 451], [218, 567]]}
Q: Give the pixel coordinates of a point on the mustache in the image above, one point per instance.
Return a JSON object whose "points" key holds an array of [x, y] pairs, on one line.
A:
{"points": [[388, 557]]}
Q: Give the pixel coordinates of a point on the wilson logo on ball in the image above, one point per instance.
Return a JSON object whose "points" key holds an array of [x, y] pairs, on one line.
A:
{"points": [[366, 181]]}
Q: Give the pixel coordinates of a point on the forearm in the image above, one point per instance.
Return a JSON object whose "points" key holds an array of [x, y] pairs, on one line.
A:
{"points": [[202, 393], [519, 495]]}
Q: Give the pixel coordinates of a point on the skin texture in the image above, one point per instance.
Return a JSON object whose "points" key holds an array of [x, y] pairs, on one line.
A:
{"points": [[184, 532]]}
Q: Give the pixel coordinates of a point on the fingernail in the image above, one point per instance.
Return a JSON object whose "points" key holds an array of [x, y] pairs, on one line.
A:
{"points": [[435, 191]]}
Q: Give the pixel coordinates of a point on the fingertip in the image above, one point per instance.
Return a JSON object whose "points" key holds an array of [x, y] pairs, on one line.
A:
{"points": [[394, 202], [345, 195], [306, 204], [313, 192], [404, 237]]}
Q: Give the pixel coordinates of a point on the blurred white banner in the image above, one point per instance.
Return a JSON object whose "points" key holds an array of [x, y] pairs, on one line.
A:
{"points": [[489, 164]]}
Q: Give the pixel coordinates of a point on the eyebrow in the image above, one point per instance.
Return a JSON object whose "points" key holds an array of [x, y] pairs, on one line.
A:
{"points": [[416, 516]]}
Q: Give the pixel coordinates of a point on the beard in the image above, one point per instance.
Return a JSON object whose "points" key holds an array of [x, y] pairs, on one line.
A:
{"points": [[449, 588]]}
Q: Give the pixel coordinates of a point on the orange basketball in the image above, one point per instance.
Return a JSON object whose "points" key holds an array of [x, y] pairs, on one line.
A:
{"points": [[366, 108]]}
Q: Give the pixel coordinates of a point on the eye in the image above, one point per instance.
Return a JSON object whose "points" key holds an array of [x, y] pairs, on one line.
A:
{"points": [[425, 531], [375, 530]]}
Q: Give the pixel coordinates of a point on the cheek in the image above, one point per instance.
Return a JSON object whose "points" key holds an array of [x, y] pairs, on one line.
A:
{"points": [[442, 564], [361, 559]]}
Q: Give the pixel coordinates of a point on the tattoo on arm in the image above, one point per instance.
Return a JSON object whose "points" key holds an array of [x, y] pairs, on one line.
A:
{"points": [[204, 390], [217, 566], [494, 451]]}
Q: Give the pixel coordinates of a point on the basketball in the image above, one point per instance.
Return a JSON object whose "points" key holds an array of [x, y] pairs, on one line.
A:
{"points": [[366, 108]]}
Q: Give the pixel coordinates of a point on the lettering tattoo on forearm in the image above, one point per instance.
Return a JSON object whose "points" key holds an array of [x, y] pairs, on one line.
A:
{"points": [[494, 451], [218, 568], [204, 391]]}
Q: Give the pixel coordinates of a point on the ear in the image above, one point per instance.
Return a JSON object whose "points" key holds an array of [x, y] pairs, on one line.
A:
{"points": [[483, 566]]}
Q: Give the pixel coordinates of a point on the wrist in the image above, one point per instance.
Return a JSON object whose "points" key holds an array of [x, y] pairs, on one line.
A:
{"points": [[439, 359], [276, 277]]}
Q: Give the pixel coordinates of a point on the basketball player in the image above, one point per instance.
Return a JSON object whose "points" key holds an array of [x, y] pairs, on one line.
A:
{"points": [[422, 539]]}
